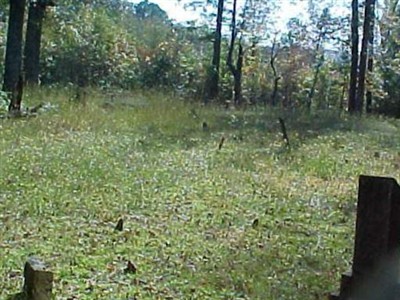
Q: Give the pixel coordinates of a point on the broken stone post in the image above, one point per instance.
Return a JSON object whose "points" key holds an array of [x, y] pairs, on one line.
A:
{"points": [[38, 280]]}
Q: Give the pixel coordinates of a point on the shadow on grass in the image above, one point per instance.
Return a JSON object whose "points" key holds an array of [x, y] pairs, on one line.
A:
{"points": [[272, 272], [302, 126]]}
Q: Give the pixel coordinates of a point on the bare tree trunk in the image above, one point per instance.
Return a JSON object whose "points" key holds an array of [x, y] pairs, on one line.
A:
{"points": [[314, 82], [236, 71], [274, 54], [233, 37], [212, 81], [342, 96], [368, 107], [354, 57], [33, 41], [238, 75], [319, 58], [364, 55], [275, 91], [13, 59]]}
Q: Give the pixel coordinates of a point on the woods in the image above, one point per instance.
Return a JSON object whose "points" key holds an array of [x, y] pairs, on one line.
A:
{"points": [[118, 44]]}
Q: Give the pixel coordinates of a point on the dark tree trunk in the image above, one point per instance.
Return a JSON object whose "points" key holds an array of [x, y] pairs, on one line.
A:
{"points": [[275, 73], [238, 76], [236, 71], [368, 107], [16, 96], [343, 94], [212, 82], [319, 59], [354, 57], [32, 43], [364, 55], [275, 91], [13, 59], [314, 82]]}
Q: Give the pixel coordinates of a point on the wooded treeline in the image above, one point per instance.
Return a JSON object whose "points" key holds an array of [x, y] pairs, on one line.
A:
{"points": [[339, 58]]}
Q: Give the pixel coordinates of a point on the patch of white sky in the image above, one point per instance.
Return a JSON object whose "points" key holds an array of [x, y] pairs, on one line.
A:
{"points": [[286, 9]]}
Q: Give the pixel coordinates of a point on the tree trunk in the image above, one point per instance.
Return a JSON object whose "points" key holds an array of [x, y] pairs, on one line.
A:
{"points": [[311, 93], [315, 81], [370, 66], [212, 81], [13, 59], [275, 73], [343, 94], [275, 91], [33, 40], [319, 60], [354, 58], [236, 71], [238, 76], [364, 55]]}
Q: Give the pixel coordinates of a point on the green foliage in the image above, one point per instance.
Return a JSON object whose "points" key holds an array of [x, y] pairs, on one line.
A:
{"points": [[112, 47], [3, 30], [146, 10], [92, 49], [3, 102], [385, 82], [189, 209]]}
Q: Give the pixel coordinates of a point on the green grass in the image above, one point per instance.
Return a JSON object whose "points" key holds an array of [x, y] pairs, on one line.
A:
{"points": [[68, 175]]}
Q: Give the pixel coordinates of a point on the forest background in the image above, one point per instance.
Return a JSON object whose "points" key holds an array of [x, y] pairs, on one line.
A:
{"points": [[235, 52]]}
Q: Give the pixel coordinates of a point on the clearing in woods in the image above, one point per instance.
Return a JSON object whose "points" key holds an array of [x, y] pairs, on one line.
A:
{"points": [[251, 220]]}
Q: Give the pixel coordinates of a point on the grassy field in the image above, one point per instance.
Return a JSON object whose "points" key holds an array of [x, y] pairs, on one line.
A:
{"points": [[253, 220]]}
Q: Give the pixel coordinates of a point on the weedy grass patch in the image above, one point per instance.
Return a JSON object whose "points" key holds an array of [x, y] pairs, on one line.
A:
{"points": [[252, 220]]}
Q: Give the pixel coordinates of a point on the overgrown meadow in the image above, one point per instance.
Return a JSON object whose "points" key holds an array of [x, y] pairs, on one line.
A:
{"points": [[253, 220]]}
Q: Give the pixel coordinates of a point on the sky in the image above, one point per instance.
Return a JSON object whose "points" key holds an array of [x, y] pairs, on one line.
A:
{"points": [[176, 10], [287, 9]]}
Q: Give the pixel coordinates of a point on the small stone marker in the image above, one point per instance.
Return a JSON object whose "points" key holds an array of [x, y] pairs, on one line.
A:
{"points": [[38, 280], [284, 132], [120, 225], [130, 268], [221, 143]]}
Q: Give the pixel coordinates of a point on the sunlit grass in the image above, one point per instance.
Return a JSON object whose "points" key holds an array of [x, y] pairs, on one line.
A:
{"points": [[69, 174]]}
